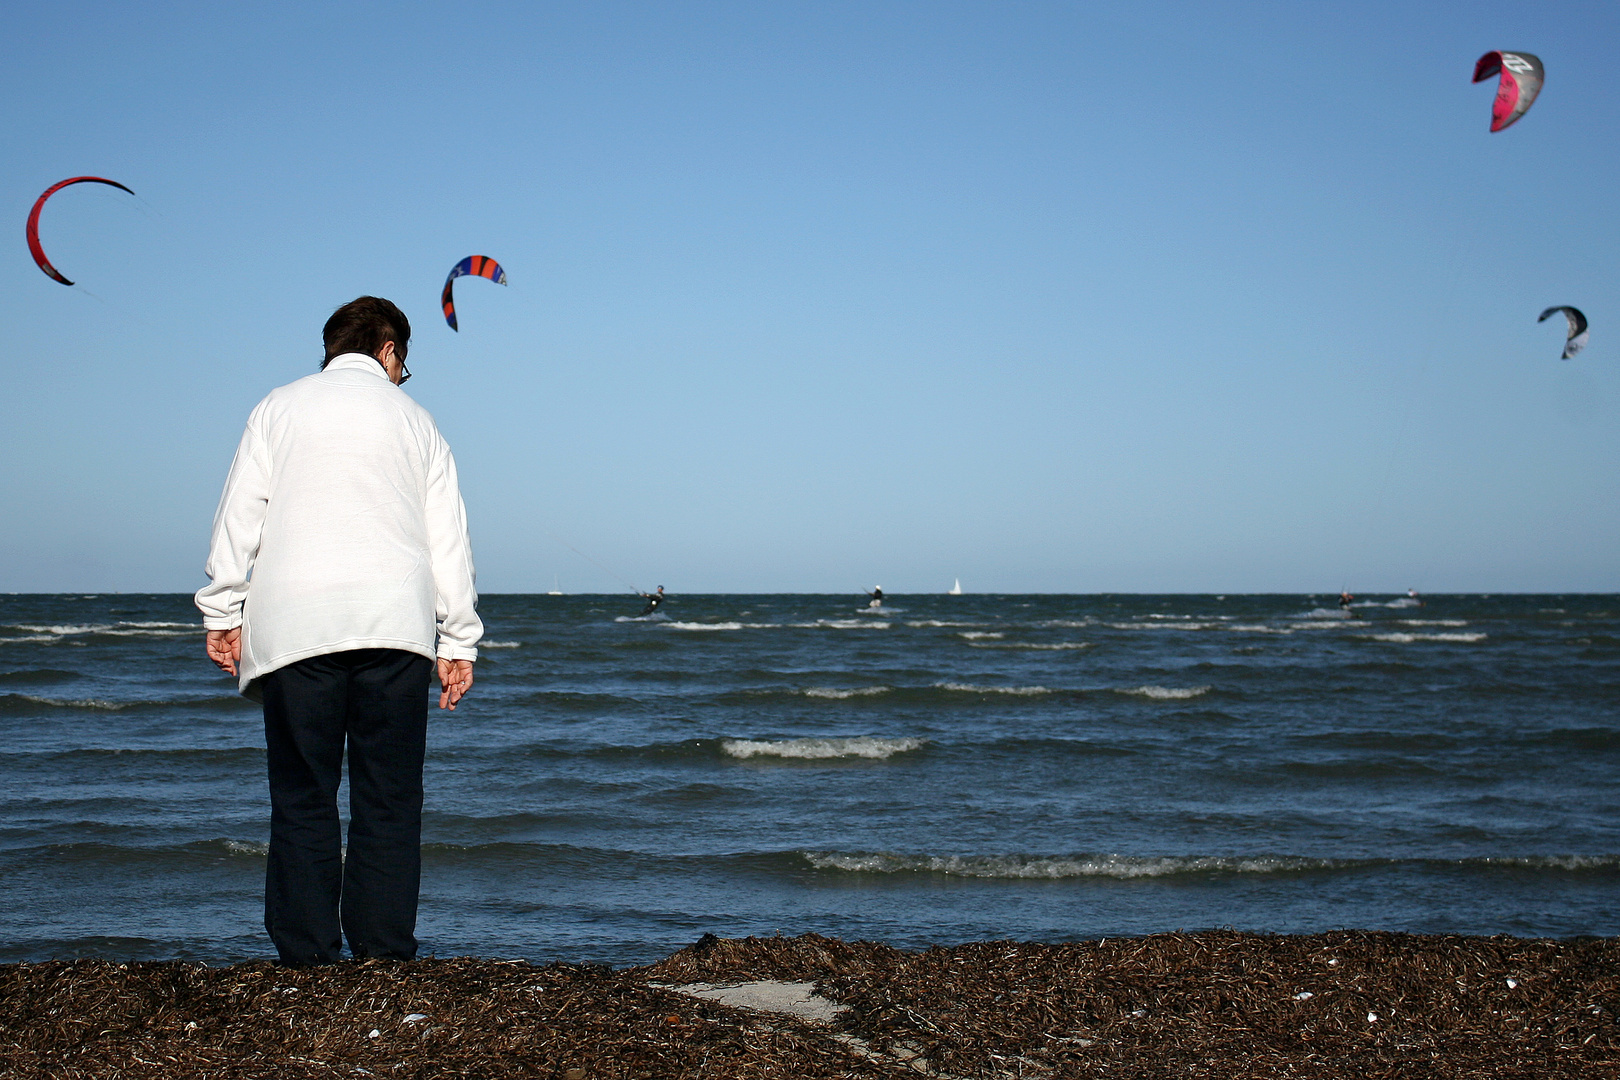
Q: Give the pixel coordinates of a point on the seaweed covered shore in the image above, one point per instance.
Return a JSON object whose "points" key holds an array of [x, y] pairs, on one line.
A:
{"points": [[1220, 1004]]}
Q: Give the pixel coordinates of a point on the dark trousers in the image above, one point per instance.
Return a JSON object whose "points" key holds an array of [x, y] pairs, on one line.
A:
{"points": [[377, 700]]}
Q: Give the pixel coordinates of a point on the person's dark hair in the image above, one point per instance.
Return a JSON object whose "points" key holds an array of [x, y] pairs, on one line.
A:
{"points": [[365, 326]]}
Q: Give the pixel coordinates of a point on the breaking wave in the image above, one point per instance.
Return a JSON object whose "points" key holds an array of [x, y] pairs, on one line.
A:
{"points": [[63, 703], [1166, 693], [862, 746], [1025, 867], [1404, 638], [1059, 646], [30, 704], [969, 688], [118, 629], [840, 694], [1078, 866]]}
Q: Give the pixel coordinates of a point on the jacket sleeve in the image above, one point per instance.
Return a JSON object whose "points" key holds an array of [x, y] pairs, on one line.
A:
{"points": [[451, 549], [238, 526]]}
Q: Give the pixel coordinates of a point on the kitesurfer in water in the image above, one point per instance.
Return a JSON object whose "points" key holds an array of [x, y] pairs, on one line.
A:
{"points": [[654, 601], [1344, 600], [877, 597], [1412, 594]]}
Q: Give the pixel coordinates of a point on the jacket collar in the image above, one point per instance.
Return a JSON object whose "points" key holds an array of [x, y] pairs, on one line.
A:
{"points": [[358, 361]]}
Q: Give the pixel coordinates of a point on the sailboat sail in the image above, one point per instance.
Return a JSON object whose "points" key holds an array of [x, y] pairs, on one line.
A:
{"points": [[956, 589]]}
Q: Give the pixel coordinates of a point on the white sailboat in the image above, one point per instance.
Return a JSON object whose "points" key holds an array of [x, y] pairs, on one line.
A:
{"points": [[955, 590], [555, 591]]}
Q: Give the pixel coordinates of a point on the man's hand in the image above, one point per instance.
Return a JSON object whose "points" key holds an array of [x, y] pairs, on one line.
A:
{"points": [[455, 679], [225, 648]]}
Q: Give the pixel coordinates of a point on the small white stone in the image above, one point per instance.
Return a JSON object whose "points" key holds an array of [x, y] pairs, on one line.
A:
{"points": [[1513, 984], [1304, 995], [414, 1017], [374, 1033], [1333, 961], [1139, 1012], [1372, 1018]]}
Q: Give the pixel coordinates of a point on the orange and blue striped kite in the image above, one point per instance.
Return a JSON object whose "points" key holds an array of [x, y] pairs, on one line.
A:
{"points": [[472, 266]]}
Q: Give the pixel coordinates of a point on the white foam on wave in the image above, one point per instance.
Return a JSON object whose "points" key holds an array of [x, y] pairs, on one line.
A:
{"points": [[119, 629], [1553, 862], [1166, 693], [1055, 646], [1187, 626], [1259, 628], [860, 746], [122, 632], [499, 644], [837, 694], [246, 847], [843, 624], [1028, 866], [919, 624], [1403, 639], [981, 635], [28, 639], [703, 625], [1068, 624], [1017, 691], [1432, 622], [1326, 613], [65, 630], [75, 703]]}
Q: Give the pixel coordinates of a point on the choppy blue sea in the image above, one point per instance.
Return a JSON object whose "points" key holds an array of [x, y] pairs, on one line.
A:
{"points": [[949, 769]]}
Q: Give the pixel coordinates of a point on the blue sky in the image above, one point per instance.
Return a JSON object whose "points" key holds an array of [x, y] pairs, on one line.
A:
{"points": [[1047, 297]]}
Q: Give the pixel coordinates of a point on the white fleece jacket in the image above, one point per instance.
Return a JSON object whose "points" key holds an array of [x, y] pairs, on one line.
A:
{"points": [[341, 527]]}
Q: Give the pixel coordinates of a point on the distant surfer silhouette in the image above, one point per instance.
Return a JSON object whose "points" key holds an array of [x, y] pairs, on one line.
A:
{"points": [[877, 597], [1344, 600], [654, 602], [1413, 595]]}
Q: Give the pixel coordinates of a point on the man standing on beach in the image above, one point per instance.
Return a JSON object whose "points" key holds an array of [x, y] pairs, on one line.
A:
{"points": [[341, 571]]}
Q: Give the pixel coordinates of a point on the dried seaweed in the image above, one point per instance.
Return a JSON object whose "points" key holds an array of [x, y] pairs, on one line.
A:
{"points": [[429, 1018], [1344, 1004], [1229, 1005]]}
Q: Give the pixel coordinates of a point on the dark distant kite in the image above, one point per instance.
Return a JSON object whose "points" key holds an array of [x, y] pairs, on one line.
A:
{"points": [[1577, 328], [1522, 75], [472, 266], [33, 221]]}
